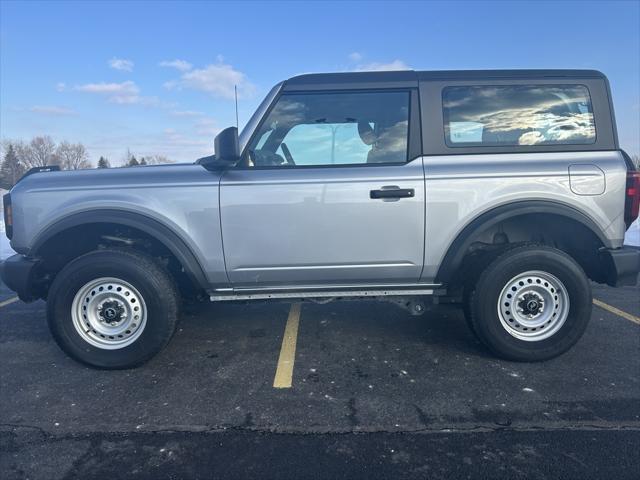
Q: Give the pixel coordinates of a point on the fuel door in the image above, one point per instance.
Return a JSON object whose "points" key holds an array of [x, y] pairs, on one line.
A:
{"points": [[586, 179]]}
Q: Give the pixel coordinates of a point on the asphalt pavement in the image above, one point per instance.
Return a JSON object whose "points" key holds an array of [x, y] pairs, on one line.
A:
{"points": [[375, 393]]}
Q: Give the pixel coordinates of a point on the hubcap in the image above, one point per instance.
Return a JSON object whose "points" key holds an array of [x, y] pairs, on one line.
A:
{"points": [[109, 313], [533, 306]]}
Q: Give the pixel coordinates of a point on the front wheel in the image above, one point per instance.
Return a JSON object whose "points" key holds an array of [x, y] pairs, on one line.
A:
{"points": [[112, 308], [532, 303]]}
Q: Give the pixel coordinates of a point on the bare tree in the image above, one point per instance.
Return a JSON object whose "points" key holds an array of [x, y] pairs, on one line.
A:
{"points": [[39, 153], [72, 156], [22, 152], [157, 159], [130, 159], [636, 160]]}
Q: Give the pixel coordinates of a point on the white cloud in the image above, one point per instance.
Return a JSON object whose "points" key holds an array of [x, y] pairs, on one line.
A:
{"points": [[52, 110], [531, 138], [121, 64], [128, 88], [206, 127], [359, 66], [377, 67], [217, 79], [181, 65], [122, 93], [186, 113], [175, 138], [61, 86]]}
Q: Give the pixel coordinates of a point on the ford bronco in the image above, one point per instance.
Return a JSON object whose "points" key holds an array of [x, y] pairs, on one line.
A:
{"points": [[504, 191]]}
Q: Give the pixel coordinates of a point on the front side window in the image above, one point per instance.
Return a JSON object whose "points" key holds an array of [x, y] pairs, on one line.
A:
{"points": [[317, 129], [518, 115]]}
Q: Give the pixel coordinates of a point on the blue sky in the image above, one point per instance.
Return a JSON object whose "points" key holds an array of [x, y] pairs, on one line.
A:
{"points": [[157, 77]]}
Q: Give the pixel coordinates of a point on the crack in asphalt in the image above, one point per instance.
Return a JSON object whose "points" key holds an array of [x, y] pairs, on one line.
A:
{"points": [[472, 428]]}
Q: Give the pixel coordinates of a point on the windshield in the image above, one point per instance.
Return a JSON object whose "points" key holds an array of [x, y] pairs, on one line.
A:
{"points": [[252, 124]]}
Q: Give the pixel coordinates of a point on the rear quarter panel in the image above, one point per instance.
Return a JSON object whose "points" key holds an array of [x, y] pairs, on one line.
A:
{"points": [[459, 188]]}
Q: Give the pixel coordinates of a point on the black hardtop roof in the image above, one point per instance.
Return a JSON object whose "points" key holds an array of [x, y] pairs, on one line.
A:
{"points": [[415, 75]]}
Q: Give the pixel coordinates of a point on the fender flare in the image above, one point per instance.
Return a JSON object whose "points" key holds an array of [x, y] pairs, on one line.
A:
{"points": [[158, 230], [455, 253]]}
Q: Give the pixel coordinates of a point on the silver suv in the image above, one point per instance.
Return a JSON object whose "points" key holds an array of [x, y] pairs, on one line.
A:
{"points": [[505, 191]]}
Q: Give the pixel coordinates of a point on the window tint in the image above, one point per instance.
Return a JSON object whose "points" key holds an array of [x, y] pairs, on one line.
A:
{"points": [[263, 138], [326, 143], [514, 115], [333, 129]]}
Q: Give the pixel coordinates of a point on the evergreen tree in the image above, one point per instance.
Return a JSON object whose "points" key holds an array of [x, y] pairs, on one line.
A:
{"points": [[133, 162], [142, 161], [103, 162], [11, 169]]}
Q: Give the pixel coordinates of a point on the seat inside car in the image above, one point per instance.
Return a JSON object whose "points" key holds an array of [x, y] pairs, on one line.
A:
{"points": [[378, 152]]}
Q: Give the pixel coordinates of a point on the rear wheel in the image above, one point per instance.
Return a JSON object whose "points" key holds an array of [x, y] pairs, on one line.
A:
{"points": [[531, 303], [112, 308]]}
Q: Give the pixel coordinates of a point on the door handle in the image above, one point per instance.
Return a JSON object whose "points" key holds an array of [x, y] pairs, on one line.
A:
{"points": [[392, 192]]}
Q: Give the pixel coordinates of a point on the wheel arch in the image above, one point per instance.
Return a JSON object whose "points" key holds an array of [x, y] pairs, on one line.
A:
{"points": [[155, 229], [457, 250]]}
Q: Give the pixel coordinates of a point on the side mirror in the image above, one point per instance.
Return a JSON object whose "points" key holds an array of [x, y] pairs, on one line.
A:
{"points": [[226, 145]]}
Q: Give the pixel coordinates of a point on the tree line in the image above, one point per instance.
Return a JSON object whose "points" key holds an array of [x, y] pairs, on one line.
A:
{"points": [[20, 156]]}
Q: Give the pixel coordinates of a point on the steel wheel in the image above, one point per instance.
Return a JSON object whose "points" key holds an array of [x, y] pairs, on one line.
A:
{"points": [[109, 313], [533, 306]]}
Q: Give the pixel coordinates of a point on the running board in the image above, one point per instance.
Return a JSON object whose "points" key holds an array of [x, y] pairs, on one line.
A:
{"points": [[229, 294]]}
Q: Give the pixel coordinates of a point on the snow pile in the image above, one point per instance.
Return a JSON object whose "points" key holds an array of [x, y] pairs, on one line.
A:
{"points": [[5, 249], [633, 234]]}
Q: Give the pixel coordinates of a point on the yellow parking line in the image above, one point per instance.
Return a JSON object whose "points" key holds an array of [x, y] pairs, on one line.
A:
{"points": [[8, 302], [617, 311], [284, 372]]}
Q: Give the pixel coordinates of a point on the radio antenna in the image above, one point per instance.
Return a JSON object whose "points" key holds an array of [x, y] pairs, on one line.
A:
{"points": [[235, 90]]}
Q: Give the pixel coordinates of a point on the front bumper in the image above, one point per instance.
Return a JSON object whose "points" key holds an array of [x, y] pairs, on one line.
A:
{"points": [[622, 266], [19, 274]]}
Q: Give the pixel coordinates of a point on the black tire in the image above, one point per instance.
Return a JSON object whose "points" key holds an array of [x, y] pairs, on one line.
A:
{"points": [[473, 268], [150, 280], [484, 303]]}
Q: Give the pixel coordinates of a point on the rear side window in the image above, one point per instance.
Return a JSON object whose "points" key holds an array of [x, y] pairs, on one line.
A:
{"points": [[517, 115]]}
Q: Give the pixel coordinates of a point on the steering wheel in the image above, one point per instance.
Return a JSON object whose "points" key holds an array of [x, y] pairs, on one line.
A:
{"points": [[287, 153]]}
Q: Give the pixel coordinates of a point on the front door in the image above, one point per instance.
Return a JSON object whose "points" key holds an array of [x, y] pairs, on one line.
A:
{"points": [[326, 195]]}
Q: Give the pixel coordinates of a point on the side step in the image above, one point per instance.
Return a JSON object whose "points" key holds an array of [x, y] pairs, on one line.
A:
{"points": [[241, 294]]}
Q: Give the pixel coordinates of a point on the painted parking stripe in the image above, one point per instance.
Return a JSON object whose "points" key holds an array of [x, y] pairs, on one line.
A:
{"points": [[284, 372], [8, 302], [616, 311]]}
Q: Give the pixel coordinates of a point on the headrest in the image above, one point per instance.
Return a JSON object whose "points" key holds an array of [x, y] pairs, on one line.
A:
{"points": [[366, 132]]}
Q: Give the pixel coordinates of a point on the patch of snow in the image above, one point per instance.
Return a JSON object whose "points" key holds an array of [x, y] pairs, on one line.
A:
{"points": [[632, 236], [5, 248]]}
